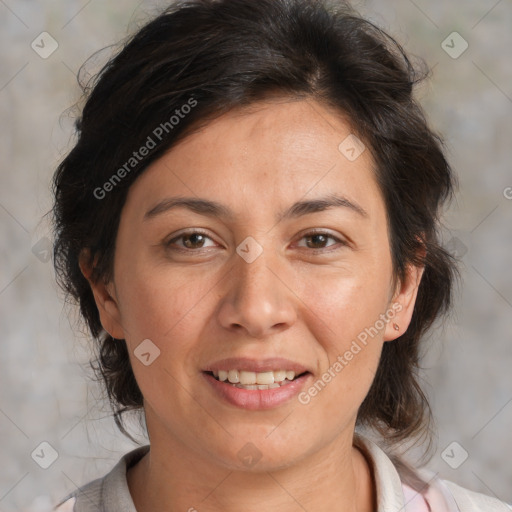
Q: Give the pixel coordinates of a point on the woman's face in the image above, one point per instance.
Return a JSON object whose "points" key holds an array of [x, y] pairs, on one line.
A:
{"points": [[272, 282]]}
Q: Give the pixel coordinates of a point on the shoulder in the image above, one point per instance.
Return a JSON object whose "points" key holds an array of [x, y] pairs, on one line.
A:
{"points": [[109, 492], [441, 495], [470, 501], [401, 486], [86, 498], [446, 496]]}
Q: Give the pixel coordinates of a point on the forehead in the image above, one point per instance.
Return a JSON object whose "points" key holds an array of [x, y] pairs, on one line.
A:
{"points": [[263, 156]]}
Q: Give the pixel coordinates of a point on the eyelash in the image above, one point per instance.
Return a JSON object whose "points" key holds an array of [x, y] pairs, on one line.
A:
{"points": [[306, 235]]}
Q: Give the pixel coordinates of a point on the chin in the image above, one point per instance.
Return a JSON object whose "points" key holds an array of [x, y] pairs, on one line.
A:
{"points": [[258, 455]]}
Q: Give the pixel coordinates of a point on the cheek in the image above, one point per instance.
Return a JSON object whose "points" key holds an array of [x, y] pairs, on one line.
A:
{"points": [[161, 305], [345, 318], [167, 309], [343, 304]]}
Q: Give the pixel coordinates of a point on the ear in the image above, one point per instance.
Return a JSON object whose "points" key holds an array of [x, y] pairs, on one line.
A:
{"points": [[403, 303], [104, 296]]}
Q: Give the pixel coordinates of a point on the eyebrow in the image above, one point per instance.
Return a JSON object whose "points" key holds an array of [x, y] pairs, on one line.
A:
{"points": [[214, 209]]}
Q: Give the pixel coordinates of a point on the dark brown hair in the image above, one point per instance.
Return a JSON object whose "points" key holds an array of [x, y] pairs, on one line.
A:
{"points": [[216, 55]]}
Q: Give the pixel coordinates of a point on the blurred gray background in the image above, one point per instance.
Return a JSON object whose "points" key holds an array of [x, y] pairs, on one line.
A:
{"points": [[46, 394]]}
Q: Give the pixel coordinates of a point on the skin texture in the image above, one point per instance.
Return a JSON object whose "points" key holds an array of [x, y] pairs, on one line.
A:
{"points": [[303, 298]]}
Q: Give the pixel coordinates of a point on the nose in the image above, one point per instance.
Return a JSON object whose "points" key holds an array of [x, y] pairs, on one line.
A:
{"points": [[257, 298]]}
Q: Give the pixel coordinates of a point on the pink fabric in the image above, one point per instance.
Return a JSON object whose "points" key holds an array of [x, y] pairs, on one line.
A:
{"points": [[434, 500], [414, 501]]}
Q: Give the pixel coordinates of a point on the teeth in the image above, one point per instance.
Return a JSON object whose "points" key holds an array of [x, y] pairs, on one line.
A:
{"points": [[233, 376], [279, 376], [265, 378], [260, 386], [247, 378], [254, 380]]}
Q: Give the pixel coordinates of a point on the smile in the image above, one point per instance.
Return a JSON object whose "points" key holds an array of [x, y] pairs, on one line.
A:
{"points": [[265, 390], [255, 380]]}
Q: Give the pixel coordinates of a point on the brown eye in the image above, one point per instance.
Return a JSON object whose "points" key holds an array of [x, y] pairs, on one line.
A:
{"points": [[318, 240], [191, 241]]}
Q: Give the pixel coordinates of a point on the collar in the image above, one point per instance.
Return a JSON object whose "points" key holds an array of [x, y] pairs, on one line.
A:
{"points": [[115, 493], [390, 495]]}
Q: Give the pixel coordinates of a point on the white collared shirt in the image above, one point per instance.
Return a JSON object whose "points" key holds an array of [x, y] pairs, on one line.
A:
{"points": [[111, 493]]}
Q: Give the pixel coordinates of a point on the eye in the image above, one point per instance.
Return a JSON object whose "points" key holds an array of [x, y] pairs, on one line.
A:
{"points": [[194, 240], [318, 239], [191, 240]]}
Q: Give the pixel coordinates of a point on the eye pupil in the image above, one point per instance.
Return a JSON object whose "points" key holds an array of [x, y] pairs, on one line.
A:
{"points": [[317, 236], [192, 236]]}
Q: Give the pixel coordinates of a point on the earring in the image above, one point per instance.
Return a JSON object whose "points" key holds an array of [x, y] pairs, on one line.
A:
{"points": [[396, 327]]}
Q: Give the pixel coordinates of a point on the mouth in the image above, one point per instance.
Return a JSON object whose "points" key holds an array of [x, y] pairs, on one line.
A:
{"points": [[256, 384], [250, 380]]}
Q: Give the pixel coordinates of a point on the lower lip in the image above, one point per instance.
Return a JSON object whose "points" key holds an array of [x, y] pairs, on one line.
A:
{"points": [[257, 399]]}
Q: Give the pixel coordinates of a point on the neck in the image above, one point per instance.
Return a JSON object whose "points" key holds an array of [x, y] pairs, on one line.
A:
{"points": [[172, 477]]}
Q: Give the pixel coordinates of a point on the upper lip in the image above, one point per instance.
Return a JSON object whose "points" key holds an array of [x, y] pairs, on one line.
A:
{"points": [[256, 365]]}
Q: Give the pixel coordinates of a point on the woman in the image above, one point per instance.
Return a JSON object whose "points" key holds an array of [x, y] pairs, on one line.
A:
{"points": [[248, 222]]}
